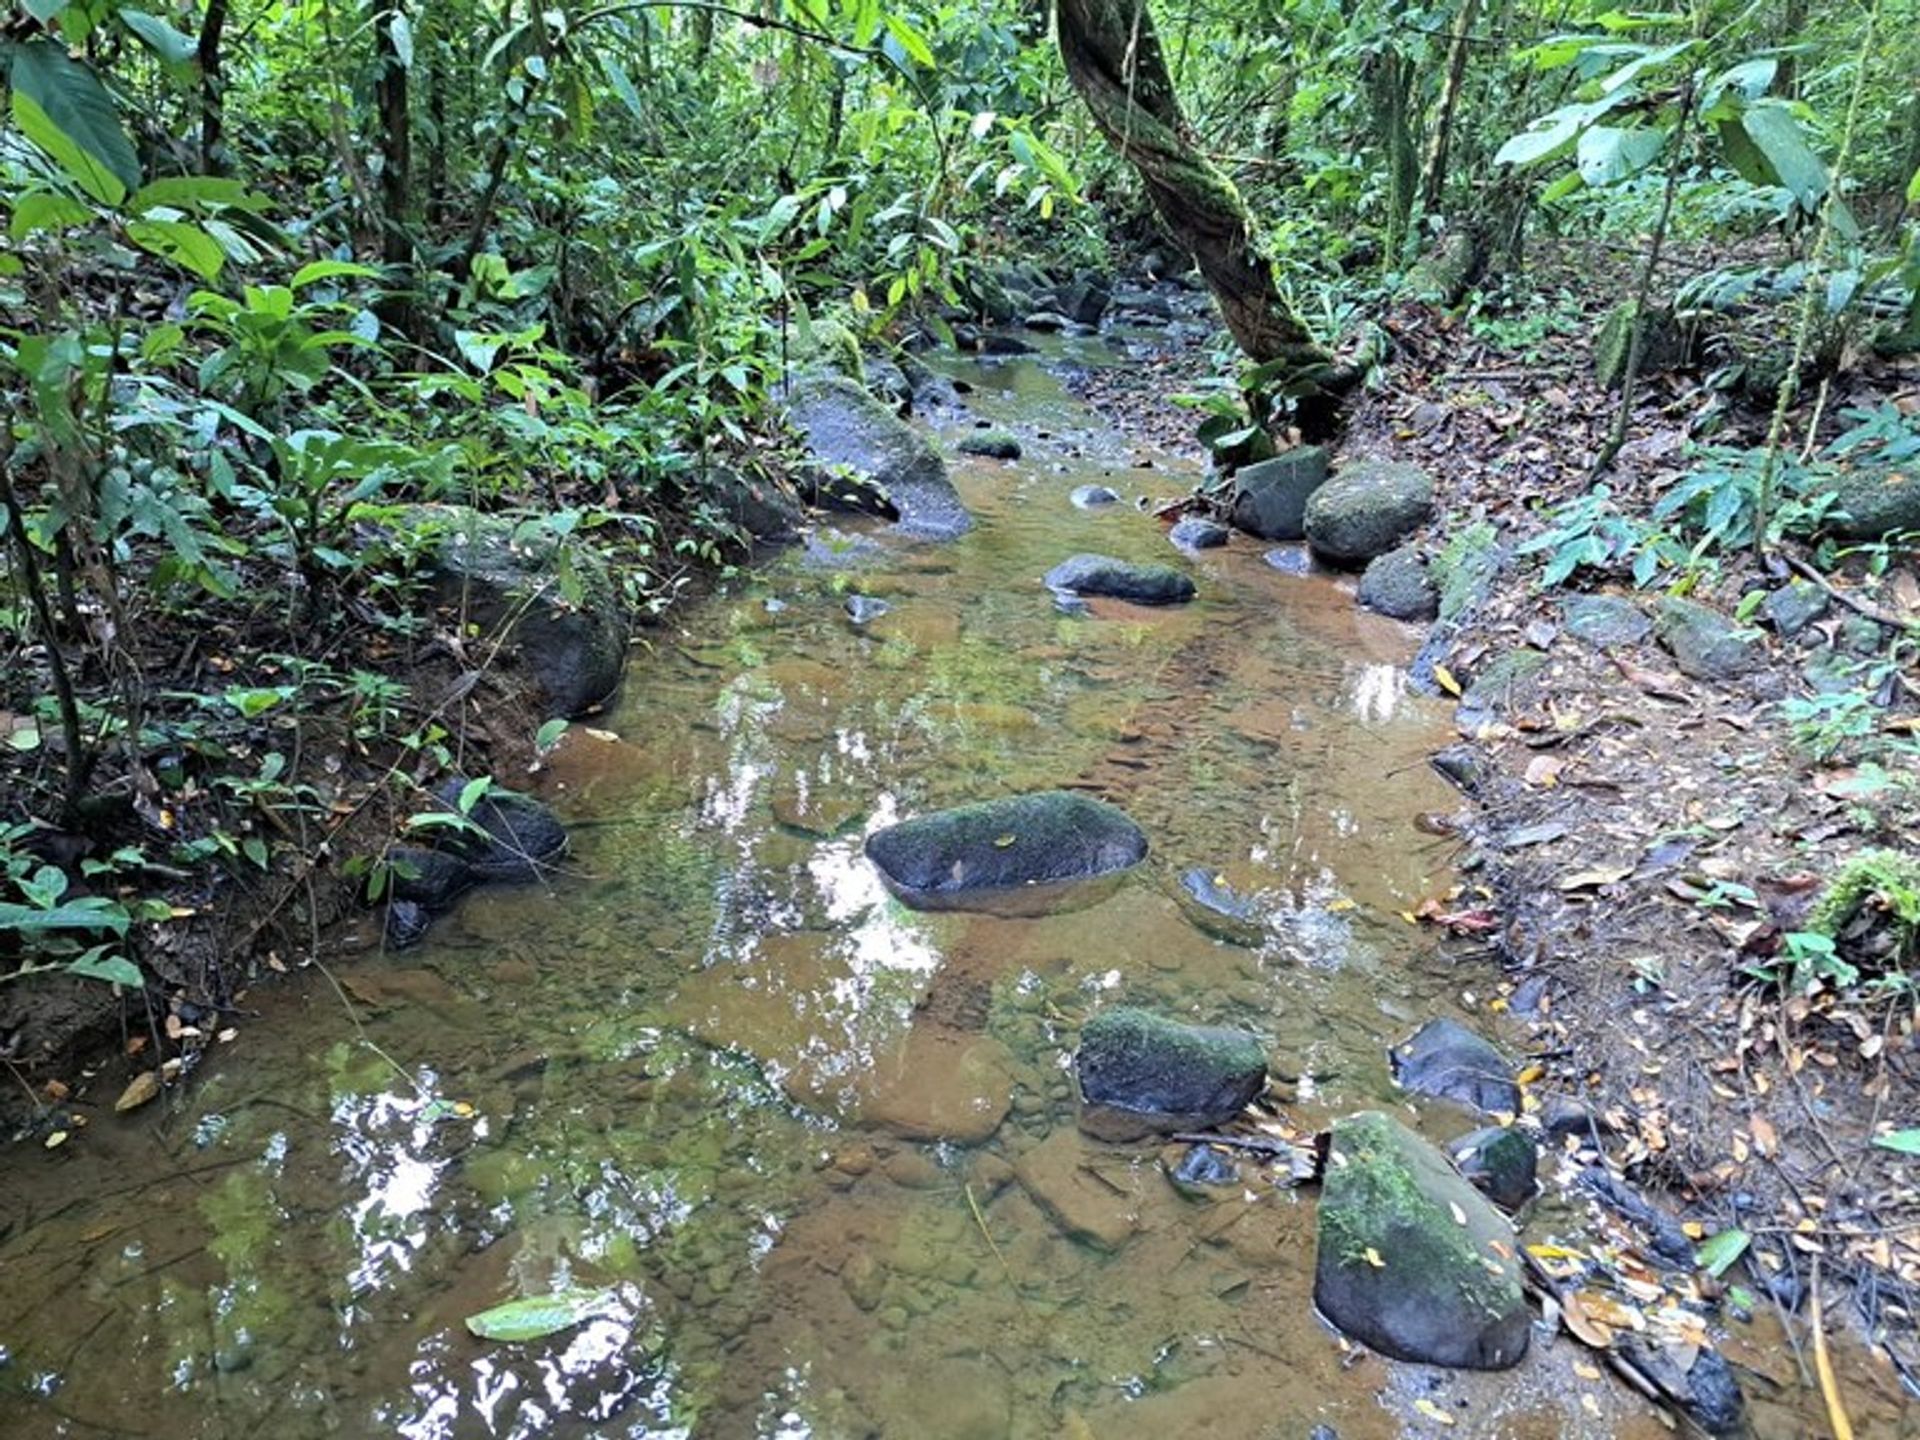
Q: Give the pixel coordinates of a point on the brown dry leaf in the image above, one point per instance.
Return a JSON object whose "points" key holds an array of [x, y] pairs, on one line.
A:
{"points": [[1543, 771], [1765, 1139], [142, 1088], [57, 1090], [1581, 1324], [1594, 878]]}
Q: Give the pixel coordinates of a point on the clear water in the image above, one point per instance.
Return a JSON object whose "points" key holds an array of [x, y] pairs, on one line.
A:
{"points": [[701, 1071]]}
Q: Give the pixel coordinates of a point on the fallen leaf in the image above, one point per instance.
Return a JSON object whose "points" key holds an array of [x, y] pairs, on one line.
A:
{"points": [[537, 1316], [1433, 1412], [1443, 677], [142, 1088], [1373, 1259], [1595, 878]]}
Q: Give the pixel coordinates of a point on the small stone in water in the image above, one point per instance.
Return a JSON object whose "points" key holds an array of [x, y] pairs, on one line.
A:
{"points": [[864, 608]]}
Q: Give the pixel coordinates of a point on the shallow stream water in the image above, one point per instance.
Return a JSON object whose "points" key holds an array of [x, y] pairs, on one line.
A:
{"points": [[705, 1068]]}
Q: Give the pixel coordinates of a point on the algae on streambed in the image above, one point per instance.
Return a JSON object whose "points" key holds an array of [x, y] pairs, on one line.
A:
{"points": [[714, 1063]]}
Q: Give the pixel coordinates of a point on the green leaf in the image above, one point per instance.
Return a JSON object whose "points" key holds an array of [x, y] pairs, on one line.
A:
{"points": [[43, 210], [1786, 158], [1607, 153], [320, 270], [194, 192], [45, 10], [114, 969], [255, 849], [61, 106], [623, 86], [161, 38], [182, 242], [252, 703], [911, 41], [472, 792], [1552, 134], [1903, 1142], [1717, 1254], [548, 735], [90, 913], [538, 1316], [401, 31], [1913, 189]]}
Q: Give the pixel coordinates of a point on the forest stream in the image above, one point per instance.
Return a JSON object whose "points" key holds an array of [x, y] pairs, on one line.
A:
{"points": [[699, 1072]]}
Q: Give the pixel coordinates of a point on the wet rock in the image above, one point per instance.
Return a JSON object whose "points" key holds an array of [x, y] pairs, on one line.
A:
{"points": [[843, 426], [970, 1397], [1447, 1061], [406, 924], [1793, 607], [1604, 621], [1366, 509], [766, 509], [990, 444], [998, 344], [1218, 910], [940, 1087], [1143, 1074], [1463, 767], [518, 838], [1499, 1162], [1099, 1209], [1194, 533], [1083, 301], [1203, 1169], [1290, 559], [1705, 644], [1503, 683], [503, 574], [433, 879], [1120, 579], [1047, 322], [1706, 1389], [864, 609], [1397, 585], [864, 1280], [1269, 498], [830, 549], [1143, 302], [1397, 1270], [1090, 497], [1875, 501], [888, 383], [1052, 837], [1829, 671]]}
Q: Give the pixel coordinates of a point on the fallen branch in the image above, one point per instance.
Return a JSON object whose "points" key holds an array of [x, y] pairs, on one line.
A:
{"points": [[1823, 1364]]}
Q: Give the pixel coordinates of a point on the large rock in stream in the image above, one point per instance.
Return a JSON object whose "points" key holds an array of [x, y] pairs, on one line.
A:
{"points": [[1366, 509], [973, 855], [1143, 1074], [1445, 1060], [552, 602], [1412, 1260], [1269, 497], [1120, 580], [844, 426]]}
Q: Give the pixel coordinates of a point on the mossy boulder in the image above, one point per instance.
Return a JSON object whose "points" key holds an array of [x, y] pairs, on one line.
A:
{"points": [[1706, 644], [1876, 501], [1269, 498], [1412, 1260], [828, 345], [990, 444], [1144, 1074], [1366, 509], [551, 600], [1121, 580], [763, 508], [974, 852], [1500, 1162], [1445, 1060], [1398, 586], [850, 434]]}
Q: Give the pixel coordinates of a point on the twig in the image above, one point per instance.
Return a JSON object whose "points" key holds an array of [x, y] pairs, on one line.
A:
{"points": [[1823, 1365], [1852, 602]]}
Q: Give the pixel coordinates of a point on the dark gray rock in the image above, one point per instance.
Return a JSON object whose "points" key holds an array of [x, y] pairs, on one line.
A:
{"points": [[516, 837], [1091, 497], [1397, 585], [1047, 322], [1054, 837], [1446, 1060], [1120, 579], [1143, 1074], [513, 578], [766, 509], [430, 878], [1366, 509], [1604, 621], [1706, 1389], [1202, 1169], [407, 923], [889, 383], [1499, 1162], [845, 427], [1876, 501], [1705, 644], [1830, 671], [1397, 1270], [1216, 909], [1143, 302], [1793, 607], [999, 344], [991, 444], [1269, 497], [863, 609], [1083, 301], [1194, 533], [1290, 559]]}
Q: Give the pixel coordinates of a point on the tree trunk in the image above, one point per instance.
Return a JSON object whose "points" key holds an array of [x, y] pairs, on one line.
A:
{"points": [[213, 116], [1114, 60], [396, 169], [1434, 179], [1793, 20]]}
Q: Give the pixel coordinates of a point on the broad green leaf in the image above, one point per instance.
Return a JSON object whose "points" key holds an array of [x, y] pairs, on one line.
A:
{"points": [[1553, 134], [1750, 79], [1913, 189], [472, 792], [1904, 1142], [320, 270], [1566, 185], [1717, 1254], [114, 969], [1618, 20], [45, 10], [182, 242], [623, 86], [911, 41], [538, 1316], [1782, 145], [61, 106], [253, 703], [548, 735], [91, 913], [43, 210], [401, 30], [1620, 79], [161, 38], [1607, 153], [192, 192]]}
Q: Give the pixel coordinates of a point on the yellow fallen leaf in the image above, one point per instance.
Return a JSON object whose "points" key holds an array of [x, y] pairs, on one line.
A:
{"points": [[1373, 1259], [56, 1139], [1425, 1406], [1443, 677], [1001, 842], [142, 1088], [1341, 906]]}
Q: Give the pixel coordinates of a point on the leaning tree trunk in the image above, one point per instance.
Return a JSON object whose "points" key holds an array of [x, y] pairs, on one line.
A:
{"points": [[1114, 60], [213, 86]]}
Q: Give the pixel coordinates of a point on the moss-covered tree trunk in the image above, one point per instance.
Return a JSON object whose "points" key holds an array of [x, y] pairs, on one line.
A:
{"points": [[1114, 60]]}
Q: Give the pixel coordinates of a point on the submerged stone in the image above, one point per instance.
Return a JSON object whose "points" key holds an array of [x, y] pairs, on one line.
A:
{"points": [[513, 836], [1366, 509], [1412, 1260], [1143, 1074], [1050, 838], [1194, 533], [1120, 579], [863, 609], [1447, 1061], [990, 444], [1098, 1210], [1217, 909], [845, 427], [1090, 497]]}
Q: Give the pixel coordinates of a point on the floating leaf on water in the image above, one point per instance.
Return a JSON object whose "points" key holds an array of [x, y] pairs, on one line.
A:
{"points": [[142, 1088], [537, 1316], [1719, 1253], [1905, 1142]]}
